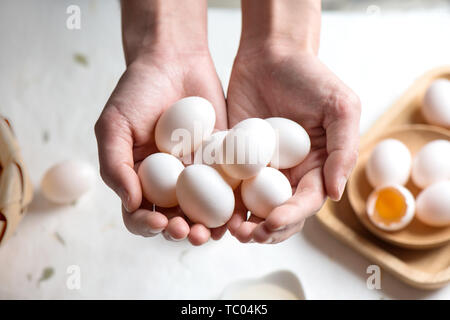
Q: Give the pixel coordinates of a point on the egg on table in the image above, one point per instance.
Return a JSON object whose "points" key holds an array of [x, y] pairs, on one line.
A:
{"points": [[267, 190], [248, 147], [211, 153], [67, 181], [433, 204], [158, 174], [436, 103], [204, 196], [389, 163], [431, 164], [390, 207], [292, 143], [183, 126]]}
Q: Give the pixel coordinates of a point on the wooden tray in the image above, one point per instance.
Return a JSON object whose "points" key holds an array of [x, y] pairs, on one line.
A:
{"points": [[425, 269], [15, 186]]}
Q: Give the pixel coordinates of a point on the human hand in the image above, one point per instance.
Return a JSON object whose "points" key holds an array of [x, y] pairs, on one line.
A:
{"points": [[280, 81], [157, 75]]}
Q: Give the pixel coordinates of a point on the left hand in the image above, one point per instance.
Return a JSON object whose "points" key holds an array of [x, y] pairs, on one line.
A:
{"points": [[278, 81]]}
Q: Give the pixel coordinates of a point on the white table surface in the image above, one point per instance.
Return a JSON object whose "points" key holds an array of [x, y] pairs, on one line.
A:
{"points": [[45, 92]]}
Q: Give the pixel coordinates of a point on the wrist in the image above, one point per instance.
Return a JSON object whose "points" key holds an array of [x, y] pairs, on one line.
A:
{"points": [[164, 28], [281, 26]]}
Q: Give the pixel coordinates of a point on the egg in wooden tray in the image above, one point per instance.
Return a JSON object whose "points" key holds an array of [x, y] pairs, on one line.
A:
{"points": [[396, 208]]}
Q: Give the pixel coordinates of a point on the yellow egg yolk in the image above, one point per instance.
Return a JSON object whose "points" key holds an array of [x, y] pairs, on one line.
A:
{"points": [[390, 206]]}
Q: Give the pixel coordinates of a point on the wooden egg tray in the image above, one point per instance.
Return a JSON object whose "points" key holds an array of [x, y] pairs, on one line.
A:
{"points": [[425, 269], [15, 186]]}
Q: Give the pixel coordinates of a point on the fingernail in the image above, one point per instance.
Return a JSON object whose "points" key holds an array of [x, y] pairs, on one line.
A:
{"points": [[173, 239], [151, 230], [270, 240], [341, 185], [279, 228]]}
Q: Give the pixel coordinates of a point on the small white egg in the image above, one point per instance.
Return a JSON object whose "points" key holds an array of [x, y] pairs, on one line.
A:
{"points": [[292, 143], [204, 196], [431, 164], [67, 181], [266, 191], [211, 153], [391, 207], [433, 204], [436, 103], [389, 163], [248, 148], [158, 174], [183, 126]]}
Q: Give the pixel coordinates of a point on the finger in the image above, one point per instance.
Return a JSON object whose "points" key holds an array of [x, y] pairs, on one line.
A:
{"points": [[262, 235], [342, 131], [307, 200], [245, 230], [199, 234], [239, 215], [177, 229], [115, 150], [144, 222], [217, 233]]}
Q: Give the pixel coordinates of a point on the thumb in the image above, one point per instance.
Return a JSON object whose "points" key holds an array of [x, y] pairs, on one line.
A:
{"points": [[115, 150]]}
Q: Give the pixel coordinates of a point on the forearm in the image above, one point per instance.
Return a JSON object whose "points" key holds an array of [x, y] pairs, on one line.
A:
{"points": [[166, 26], [285, 23]]}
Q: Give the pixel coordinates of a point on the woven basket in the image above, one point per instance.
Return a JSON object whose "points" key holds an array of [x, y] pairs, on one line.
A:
{"points": [[16, 190]]}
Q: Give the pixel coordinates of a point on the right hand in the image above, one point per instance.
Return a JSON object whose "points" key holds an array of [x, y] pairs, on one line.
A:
{"points": [[125, 134]]}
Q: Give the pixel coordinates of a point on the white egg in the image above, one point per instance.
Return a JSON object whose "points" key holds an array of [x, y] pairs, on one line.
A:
{"points": [[433, 204], [391, 207], [436, 103], [184, 125], [204, 196], [431, 164], [158, 174], [67, 181], [389, 163], [292, 143], [248, 148], [211, 153], [266, 191]]}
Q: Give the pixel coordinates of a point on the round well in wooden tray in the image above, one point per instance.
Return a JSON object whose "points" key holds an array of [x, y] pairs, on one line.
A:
{"points": [[416, 235], [15, 185]]}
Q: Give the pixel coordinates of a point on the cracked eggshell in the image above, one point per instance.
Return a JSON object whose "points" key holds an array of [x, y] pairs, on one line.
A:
{"points": [[183, 126], [204, 196]]}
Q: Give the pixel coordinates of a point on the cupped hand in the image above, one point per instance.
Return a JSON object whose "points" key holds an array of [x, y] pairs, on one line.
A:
{"points": [[125, 135], [285, 82]]}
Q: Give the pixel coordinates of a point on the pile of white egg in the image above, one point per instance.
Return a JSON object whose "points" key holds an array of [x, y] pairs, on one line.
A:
{"points": [[204, 190], [391, 206]]}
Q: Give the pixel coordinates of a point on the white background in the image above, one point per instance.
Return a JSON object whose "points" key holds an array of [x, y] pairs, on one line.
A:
{"points": [[45, 92]]}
